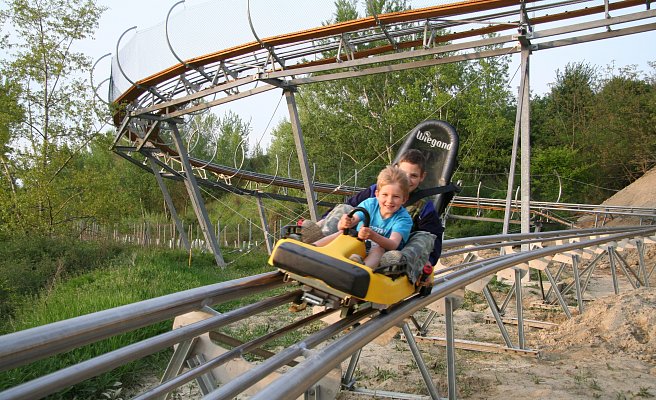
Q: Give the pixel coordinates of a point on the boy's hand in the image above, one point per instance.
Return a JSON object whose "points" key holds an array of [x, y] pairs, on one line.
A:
{"points": [[345, 222], [365, 233]]}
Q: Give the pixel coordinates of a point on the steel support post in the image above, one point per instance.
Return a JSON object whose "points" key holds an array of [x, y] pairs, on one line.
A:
{"points": [[586, 270], [497, 317], [559, 296], [420, 361], [265, 224], [513, 160], [427, 322], [640, 246], [591, 267], [196, 198], [169, 203], [613, 272], [176, 363], [525, 144], [554, 288], [450, 348], [302, 154], [205, 382], [626, 269], [347, 380], [506, 301], [417, 326], [520, 308], [577, 282]]}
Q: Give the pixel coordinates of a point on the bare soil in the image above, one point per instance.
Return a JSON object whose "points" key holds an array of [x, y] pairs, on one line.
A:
{"points": [[607, 352]]}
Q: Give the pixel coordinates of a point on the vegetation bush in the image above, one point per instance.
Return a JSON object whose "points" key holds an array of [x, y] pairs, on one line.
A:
{"points": [[30, 264], [132, 275]]}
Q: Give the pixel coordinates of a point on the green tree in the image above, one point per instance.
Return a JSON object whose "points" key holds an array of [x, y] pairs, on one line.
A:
{"points": [[282, 151], [595, 132], [11, 114], [232, 141], [623, 133], [560, 136], [570, 100], [59, 118], [120, 191], [484, 116], [200, 135]]}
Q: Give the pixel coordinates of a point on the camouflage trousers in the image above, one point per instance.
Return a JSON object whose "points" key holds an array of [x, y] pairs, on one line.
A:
{"points": [[332, 219], [416, 250]]}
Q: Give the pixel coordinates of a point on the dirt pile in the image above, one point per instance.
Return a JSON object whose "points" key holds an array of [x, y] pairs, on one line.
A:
{"points": [[641, 193], [615, 324]]}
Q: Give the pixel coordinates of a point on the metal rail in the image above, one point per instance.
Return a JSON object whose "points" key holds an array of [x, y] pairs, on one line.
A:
{"points": [[33, 344], [648, 214], [27, 346], [318, 364], [636, 211]]}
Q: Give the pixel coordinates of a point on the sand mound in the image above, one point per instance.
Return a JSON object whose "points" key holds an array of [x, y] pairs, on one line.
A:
{"points": [[617, 324], [640, 193]]}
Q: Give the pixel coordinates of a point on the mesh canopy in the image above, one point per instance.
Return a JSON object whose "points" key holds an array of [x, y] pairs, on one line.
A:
{"points": [[197, 29]]}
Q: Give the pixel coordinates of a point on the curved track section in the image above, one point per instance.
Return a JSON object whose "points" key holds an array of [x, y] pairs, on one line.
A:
{"points": [[24, 347], [403, 40]]}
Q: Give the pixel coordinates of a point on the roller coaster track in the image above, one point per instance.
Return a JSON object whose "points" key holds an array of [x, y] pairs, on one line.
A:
{"points": [[25, 347], [411, 33], [170, 169], [148, 105], [151, 107], [547, 210]]}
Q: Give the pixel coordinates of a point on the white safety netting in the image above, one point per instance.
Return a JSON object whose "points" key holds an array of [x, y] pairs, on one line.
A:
{"points": [[199, 28]]}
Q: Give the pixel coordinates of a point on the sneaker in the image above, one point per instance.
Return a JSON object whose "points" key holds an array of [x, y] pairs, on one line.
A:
{"points": [[310, 232], [356, 258], [392, 263]]}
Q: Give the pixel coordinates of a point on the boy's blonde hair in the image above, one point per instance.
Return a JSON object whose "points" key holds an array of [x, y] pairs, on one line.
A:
{"points": [[394, 175]]}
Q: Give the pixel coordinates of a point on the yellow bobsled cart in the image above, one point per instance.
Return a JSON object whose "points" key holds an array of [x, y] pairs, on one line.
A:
{"points": [[331, 278]]}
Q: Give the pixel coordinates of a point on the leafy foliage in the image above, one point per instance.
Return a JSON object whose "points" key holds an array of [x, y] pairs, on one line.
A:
{"points": [[58, 113], [593, 129], [133, 275]]}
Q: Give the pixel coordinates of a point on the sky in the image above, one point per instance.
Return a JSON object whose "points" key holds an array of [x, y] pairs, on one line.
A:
{"points": [[264, 111]]}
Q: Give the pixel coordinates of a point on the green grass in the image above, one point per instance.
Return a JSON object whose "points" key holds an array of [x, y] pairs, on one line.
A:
{"points": [[29, 265], [133, 276]]}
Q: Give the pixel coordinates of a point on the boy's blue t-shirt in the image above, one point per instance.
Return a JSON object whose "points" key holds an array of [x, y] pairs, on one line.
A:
{"points": [[400, 221]]}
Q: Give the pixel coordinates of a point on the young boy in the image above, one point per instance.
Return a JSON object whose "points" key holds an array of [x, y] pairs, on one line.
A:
{"points": [[389, 225], [425, 243]]}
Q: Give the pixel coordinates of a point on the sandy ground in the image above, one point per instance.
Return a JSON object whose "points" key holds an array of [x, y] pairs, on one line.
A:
{"points": [[607, 352]]}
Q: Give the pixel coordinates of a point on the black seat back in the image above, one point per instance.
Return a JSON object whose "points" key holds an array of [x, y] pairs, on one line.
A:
{"points": [[439, 143]]}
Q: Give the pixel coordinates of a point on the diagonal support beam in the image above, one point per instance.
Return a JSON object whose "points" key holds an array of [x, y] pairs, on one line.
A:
{"points": [[196, 198], [302, 154], [265, 224], [428, 380], [169, 202]]}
